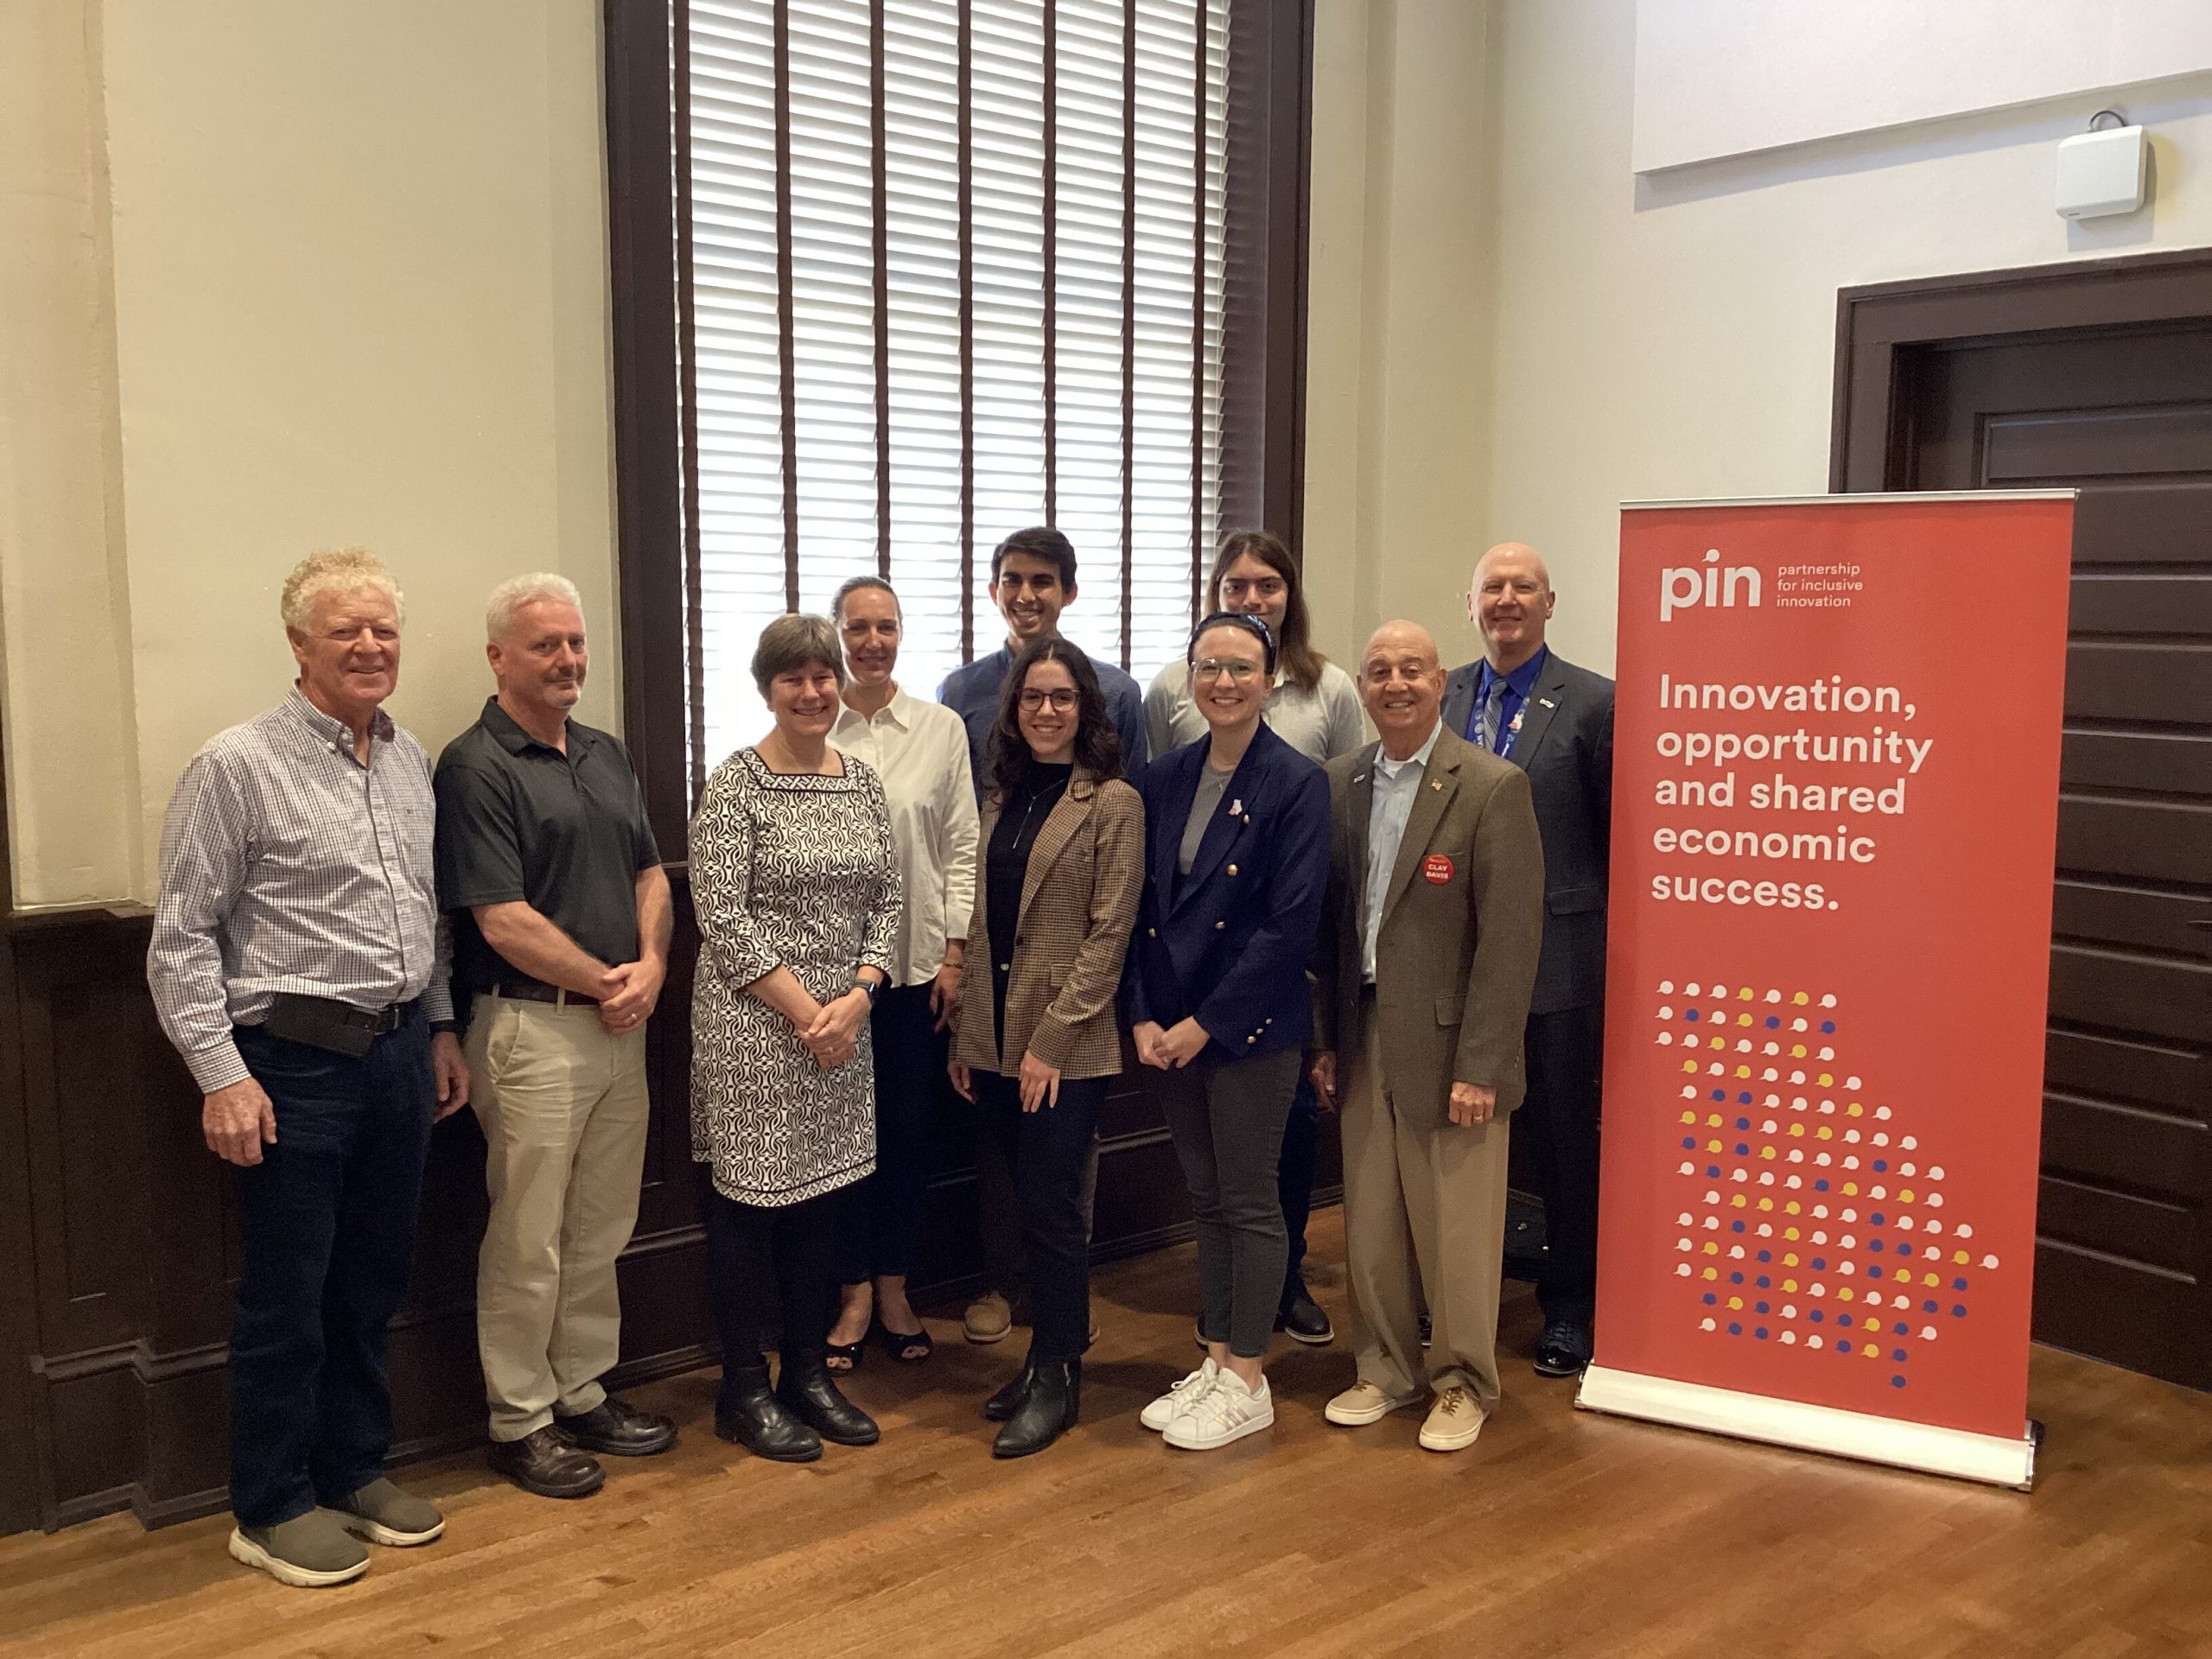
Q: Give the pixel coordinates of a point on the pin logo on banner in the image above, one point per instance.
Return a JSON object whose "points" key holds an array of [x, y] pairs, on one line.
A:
{"points": [[1683, 586]]}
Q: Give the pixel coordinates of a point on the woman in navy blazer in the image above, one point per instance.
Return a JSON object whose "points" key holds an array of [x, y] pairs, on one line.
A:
{"points": [[1237, 837]]}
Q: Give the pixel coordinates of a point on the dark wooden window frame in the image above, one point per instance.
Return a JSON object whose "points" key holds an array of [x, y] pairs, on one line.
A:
{"points": [[1262, 465]]}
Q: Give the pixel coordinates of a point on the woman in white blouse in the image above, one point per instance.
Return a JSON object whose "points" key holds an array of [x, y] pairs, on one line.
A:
{"points": [[919, 751], [1315, 709]]}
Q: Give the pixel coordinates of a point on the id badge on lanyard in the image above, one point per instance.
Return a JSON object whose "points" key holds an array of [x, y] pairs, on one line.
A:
{"points": [[1512, 731]]}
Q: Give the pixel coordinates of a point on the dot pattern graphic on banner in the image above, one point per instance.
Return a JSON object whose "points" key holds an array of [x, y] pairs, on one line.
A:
{"points": [[1809, 1218]]}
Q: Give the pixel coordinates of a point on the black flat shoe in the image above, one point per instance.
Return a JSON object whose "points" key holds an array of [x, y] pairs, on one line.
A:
{"points": [[1564, 1349], [615, 1428], [808, 1389], [747, 1414], [1008, 1401]]}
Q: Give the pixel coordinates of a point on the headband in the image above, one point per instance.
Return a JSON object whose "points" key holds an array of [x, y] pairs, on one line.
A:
{"points": [[1251, 625]]}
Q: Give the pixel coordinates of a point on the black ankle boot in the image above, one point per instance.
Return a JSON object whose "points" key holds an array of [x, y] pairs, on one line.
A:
{"points": [[749, 1414], [808, 1389], [1008, 1401], [1046, 1412]]}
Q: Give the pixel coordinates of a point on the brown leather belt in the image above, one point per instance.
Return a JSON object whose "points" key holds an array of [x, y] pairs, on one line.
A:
{"points": [[532, 990]]}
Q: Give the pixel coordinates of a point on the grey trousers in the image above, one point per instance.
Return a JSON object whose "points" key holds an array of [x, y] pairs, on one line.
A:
{"points": [[1227, 1120]]}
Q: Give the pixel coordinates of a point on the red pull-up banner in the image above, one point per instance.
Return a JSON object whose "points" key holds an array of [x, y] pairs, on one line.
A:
{"points": [[1835, 796]]}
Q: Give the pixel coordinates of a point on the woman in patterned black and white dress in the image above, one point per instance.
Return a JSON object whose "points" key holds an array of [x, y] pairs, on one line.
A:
{"points": [[795, 879]]}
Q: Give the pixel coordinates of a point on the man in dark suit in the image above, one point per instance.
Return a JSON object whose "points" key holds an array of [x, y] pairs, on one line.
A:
{"points": [[1427, 949], [1521, 701]]}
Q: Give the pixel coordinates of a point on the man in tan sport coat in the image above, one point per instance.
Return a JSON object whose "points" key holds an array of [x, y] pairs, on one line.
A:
{"points": [[1423, 977]]}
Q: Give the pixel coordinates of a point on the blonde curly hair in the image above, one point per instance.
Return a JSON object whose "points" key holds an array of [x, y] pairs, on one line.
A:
{"points": [[343, 570]]}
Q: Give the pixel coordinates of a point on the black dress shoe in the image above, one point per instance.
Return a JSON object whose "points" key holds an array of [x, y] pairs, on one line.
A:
{"points": [[1303, 1321], [616, 1429], [748, 1414], [544, 1463], [808, 1389], [1008, 1401], [1564, 1349], [1046, 1412]]}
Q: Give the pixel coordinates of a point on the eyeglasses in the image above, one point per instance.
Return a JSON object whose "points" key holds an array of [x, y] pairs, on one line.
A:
{"points": [[1213, 668], [1063, 699]]}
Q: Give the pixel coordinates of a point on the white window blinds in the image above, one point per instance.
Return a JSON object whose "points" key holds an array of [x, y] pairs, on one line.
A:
{"points": [[955, 268]]}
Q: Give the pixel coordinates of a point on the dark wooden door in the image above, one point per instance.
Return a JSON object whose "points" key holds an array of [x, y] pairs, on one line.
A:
{"points": [[2124, 412]]}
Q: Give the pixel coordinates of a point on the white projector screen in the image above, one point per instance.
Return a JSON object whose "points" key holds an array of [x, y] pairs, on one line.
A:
{"points": [[1719, 78]]}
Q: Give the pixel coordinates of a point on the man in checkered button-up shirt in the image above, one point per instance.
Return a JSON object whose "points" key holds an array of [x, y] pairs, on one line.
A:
{"points": [[297, 893]]}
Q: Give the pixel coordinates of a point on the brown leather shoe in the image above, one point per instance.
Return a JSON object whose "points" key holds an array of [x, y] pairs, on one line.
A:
{"points": [[544, 1463]]}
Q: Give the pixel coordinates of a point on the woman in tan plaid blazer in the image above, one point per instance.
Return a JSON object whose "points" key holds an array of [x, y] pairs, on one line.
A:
{"points": [[1063, 869]]}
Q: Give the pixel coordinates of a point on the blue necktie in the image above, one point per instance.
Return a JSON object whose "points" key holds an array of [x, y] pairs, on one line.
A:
{"points": [[1494, 712]]}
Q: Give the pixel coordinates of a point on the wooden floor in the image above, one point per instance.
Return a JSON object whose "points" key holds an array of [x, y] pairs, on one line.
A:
{"points": [[1560, 1533]]}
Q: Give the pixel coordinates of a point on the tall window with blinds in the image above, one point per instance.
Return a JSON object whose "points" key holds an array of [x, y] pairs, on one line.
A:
{"points": [[936, 270]]}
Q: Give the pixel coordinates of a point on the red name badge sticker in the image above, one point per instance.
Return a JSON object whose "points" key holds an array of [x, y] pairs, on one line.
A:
{"points": [[1437, 868]]}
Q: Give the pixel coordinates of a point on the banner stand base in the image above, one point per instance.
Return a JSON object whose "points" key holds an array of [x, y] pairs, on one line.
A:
{"points": [[1812, 1428]]}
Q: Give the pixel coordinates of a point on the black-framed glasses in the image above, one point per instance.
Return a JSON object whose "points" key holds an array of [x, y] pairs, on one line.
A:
{"points": [[1062, 698]]}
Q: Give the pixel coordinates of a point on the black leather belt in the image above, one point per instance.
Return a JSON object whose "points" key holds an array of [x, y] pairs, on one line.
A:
{"points": [[531, 990], [326, 1023]]}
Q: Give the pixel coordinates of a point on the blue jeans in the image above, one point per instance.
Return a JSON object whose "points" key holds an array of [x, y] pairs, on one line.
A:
{"points": [[326, 1230]]}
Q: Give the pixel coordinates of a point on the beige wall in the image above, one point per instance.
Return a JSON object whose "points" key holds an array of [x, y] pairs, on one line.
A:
{"points": [[1672, 337], [355, 277], [64, 608], [1399, 301]]}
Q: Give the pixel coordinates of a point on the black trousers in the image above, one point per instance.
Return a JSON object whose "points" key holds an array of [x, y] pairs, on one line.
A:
{"points": [[326, 1230], [882, 1217], [1558, 1123], [1301, 1154], [771, 1269], [1046, 1150]]}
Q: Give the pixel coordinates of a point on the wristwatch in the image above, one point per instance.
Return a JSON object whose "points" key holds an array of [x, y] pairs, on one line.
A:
{"points": [[871, 986]]}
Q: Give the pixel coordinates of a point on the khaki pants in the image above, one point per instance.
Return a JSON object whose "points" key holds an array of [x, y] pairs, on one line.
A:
{"points": [[563, 1105], [1424, 1226]]}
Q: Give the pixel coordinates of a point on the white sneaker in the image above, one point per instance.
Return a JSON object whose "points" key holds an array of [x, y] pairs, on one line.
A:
{"points": [[1228, 1411], [1364, 1403], [1453, 1421], [1181, 1398]]}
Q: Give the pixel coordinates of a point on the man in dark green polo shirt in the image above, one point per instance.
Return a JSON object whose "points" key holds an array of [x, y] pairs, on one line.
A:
{"points": [[561, 926]]}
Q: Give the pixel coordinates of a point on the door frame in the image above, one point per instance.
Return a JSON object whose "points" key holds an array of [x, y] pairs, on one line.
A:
{"points": [[1879, 325]]}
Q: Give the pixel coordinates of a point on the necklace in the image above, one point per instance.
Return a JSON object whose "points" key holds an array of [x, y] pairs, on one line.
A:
{"points": [[1051, 791]]}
